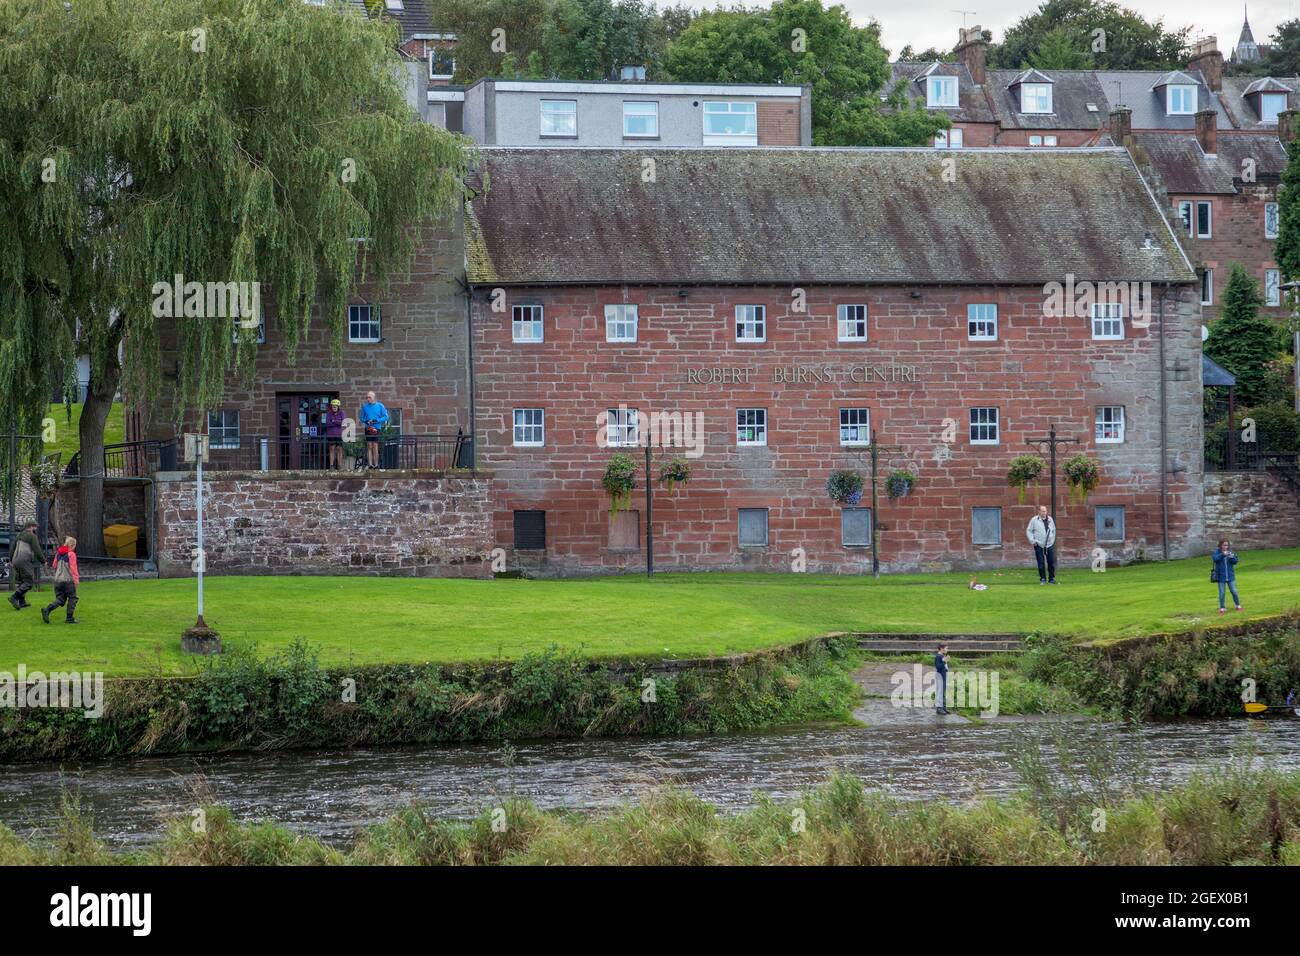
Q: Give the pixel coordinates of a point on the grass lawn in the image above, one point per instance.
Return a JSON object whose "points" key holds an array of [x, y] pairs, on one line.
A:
{"points": [[133, 627], [68, 438]]}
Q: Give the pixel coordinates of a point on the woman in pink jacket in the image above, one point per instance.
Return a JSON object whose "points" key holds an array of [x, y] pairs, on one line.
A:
{"points": [[66, 580]]}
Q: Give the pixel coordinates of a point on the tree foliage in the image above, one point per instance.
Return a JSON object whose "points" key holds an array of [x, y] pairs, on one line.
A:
{"points": [[1240, 340], [142, 139], [1287, 249], [1068, 32]]}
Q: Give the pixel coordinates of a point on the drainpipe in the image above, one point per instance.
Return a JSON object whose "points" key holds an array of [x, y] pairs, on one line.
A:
{"points": [[1164, 436], [473, 417]]}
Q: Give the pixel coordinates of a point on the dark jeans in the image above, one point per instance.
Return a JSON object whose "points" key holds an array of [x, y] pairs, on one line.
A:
{"points": [[1046, 558], [24, 578], [65, 592]]}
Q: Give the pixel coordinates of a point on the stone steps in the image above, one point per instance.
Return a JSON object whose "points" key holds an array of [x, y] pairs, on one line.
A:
{"points": [[958, 644]]}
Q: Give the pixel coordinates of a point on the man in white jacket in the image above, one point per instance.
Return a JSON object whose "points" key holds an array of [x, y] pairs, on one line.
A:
{"points": [[1042, 535]]}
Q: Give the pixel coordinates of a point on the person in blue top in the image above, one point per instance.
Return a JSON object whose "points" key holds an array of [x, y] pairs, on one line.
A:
{"points": [[941, 670], [373, 418], [1225, 572]]}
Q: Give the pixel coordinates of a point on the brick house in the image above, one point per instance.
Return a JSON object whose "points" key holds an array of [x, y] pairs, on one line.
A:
{"points": [[786, 305]]}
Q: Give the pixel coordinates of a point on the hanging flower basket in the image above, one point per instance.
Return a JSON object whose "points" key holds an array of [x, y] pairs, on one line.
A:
{"points": [[45, 478], [1083, 475], [844, 487], [619, 480], [1023, 470], [676, 472], [899, 483]]}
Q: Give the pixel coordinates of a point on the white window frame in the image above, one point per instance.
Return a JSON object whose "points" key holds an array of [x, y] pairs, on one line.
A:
{"points": [[653, 115], [981, 419], [371, 319], [855, 421], [1209, 219], [1273, 214], [748, 109], [951, 138], [620, 322], [394, 5], [1207, 286], [1032, 92], [528, 421], [941, 92], [758, 426], [755, 322], [535, 320], [981, 326], [1187, 214], [433, 51], [1179, 91], [1264, 109], [1273, 290], [622, 427], [1042, 140], [848, 317], [1108, 425], [223, 428], [1103, 314], [544, 114]]}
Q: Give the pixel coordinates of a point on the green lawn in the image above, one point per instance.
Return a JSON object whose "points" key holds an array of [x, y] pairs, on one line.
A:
{"points": [[67, 438], [133, 627]]}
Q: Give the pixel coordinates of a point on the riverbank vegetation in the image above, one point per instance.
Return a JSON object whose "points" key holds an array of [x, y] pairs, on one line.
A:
{"points": [[247, 702], [1232, 816], [132, 628]]}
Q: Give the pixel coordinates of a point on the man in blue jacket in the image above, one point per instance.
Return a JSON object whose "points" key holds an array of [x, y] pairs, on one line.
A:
{"points": [[941, 685], [374, 418]]}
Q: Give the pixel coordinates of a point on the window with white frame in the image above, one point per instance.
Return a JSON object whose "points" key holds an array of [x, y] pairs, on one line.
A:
{"points": [[1180, 99], [751, 323], [1271, 106], [751, 426], [530, 427], [1185, 214], [986, 527], [559, 118], [526, 323], [1207, 286], [855, 527], [852, 323], [1037, 140], [984, 426], [855, 426], [1270, 220], [1204, 219], [363, 323], [1107, 320], [731, 120], [1035, 97], [223, 429], [982, 321], [1110, 424], [940, 92], [393, 4], [1272, 287], [949, 138], [640, 119], [1110, 522], [442, 63], [752, 527], [621, 427], [620, 323]]}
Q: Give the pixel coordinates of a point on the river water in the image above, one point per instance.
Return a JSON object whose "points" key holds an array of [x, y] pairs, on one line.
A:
{"points": [[334, 793]]}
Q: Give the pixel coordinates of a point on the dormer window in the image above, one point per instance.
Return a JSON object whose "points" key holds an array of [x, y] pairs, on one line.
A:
{"points": [[1271, 106], [1035, 97], [941, 92], [1180, 100]]}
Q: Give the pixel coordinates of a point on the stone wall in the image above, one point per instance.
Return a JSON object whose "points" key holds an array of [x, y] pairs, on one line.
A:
{"points": [[126, 501], [1254, 509], [398, 523]]}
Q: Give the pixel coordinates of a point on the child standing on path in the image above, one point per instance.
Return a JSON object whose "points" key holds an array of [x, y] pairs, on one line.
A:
{"points": [[66, 580]]}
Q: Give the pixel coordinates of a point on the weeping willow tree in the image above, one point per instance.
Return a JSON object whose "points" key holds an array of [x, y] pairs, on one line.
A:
{"points": [[245, 141]]}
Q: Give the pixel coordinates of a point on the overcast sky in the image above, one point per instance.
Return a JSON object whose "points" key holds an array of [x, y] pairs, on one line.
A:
{"points": [[927, 23]]}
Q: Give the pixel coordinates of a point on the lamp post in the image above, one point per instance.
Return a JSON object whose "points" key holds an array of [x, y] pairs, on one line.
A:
{"points": [[199, 639], [1052, 441], [874, 453]]}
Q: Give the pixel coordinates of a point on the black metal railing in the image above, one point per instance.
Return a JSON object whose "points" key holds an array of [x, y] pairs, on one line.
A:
{"points": [[135, 459]]}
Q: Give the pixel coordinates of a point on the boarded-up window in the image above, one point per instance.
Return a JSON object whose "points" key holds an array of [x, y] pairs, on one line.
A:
{"points": [[530, 530], [625, 531], [1110, 522], [855, 527], [986, 526], [753, 527]]}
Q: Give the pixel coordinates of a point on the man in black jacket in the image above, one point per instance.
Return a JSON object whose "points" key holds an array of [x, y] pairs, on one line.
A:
{"points": [[941, 685], [24, 558]]}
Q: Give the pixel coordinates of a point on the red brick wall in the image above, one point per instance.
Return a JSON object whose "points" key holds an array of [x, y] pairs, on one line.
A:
{"points": [[778, 122], [977, 134], [1040, 371], [1064, 137]]}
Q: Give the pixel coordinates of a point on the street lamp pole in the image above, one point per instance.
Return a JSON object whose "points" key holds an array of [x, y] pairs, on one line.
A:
{"points": [[1052, 441], [875, 508], [649, 517]]}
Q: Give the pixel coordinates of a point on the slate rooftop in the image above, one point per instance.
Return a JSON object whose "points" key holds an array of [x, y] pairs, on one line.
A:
{"points": [[853, 216]]}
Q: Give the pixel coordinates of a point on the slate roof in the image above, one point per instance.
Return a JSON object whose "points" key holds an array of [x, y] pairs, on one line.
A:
{"points": [[972, 106], [413, 18], [1185, 168], [809, 216], [1212, 373], [1243, 113], [1072, 91]]}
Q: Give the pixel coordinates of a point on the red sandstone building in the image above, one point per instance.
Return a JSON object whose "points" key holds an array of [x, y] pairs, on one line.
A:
{"points": [[792, 303]]}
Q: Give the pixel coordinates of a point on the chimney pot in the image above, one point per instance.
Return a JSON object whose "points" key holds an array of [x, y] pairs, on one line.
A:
{"points": [[1207, 131], [1207, 58], [971, 51], [1121, 125]]}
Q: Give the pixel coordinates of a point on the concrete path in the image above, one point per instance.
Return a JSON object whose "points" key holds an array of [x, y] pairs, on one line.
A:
{"points": [[880, 710]]}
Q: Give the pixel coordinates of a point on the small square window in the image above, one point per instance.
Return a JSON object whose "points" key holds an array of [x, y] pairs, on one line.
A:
{"points": [[1110, 424], [1272, 287], [526, 323], [1110, 522], [363, 323], [621, 427], [1035, 97], [223, 429], [1107, 320], [852, 323], [1270, 220], [986, 527], [983, 426], [640, 120], [982, 322], [751, 323], [530, 427], [855, 527], [1181, 100], [941, 92], [620, 323], [559, 118], [751, 426], [752, 527], [530, 530], [949, 138], [855, 426]]}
